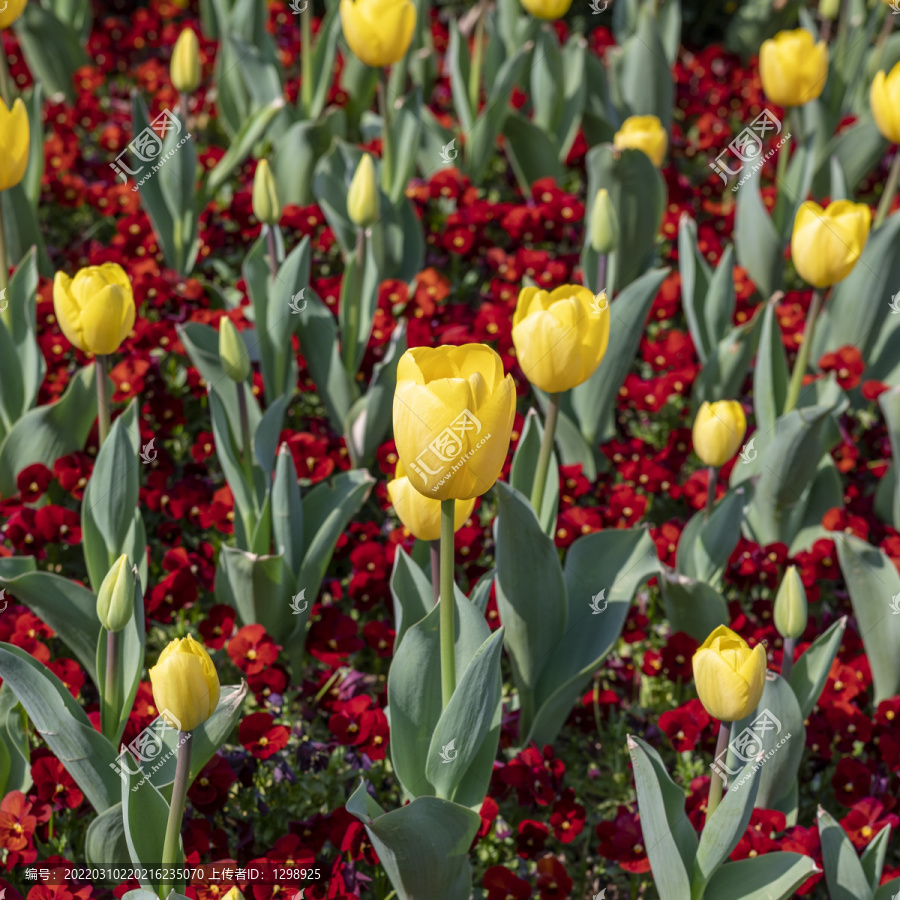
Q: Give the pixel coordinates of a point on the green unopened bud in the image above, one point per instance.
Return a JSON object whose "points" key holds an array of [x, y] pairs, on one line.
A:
{"points": [[790, 605], [233, 351], [829, 9], [185, 68], [266, 206], [115, 599], [604, 224], [362, 198]]}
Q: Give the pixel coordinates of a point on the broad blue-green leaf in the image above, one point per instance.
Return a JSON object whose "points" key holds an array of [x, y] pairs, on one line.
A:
{"points": [[412, 593], [15, 739], [770, 374], [706, 544], [524, 467], [874, 855], [287, 511], [695, 279], [843, 871], [177, 176], [772, 876], [889, 401], [727, 364], [756, 240], [105, 839], [692, 606], [811, 670], [532, 152]]}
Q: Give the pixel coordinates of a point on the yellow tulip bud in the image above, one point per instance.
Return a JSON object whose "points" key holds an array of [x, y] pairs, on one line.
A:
{"points": [[604, 223], [790, 605], [453, 416], [95, 309], [830, 9], [12, 9], [185, 683], [547, 9], [560, 336], [643, 133], [115, 599], [233, 351], [185, 68], [827, 243], [233, 894], [378, 31], [420, 514], [719, 429], [728, 675], [363, 203], [793, 68], [14, 143], [884, 98], [266, 206]]}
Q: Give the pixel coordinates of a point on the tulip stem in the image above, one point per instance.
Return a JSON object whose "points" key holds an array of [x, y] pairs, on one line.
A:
{"points": [[787, 659], [351, 339], [387, 149], [5, 86], [6, 311], [246, 444], [793, 394], [306, 61], [448, 604], [477, 60], [273, 250], [102, 397], [435, 549], [543, 463], [716, 784], [111, 698], [712, 482], [784, 152], [176, 809], [890, 189], [602, 263], [184, 107]]}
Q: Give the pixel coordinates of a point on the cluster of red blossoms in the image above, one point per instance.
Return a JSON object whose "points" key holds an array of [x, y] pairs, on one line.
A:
{"points": [[531, 816]]}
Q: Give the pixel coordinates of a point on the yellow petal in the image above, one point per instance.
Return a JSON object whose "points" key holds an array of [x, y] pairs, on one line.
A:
{"points": [[104, 318], [68, 311], [725, 695]]}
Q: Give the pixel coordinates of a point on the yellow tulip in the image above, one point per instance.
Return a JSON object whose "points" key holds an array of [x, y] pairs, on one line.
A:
{"points": [[378, 31], [363, 203], [233, 894], [547, 9], [643, 133], [453, 416], [560, 336], [884, 98], [790, 610], [266, 205], [185, 67], [719, 429], [14, 141], [95, 309], [12, 9], [827, 243], [185, 683], [729, 676], [420, 514], [793, 68]]}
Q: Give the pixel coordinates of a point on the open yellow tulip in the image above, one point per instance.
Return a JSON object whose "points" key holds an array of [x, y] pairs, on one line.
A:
{"points": [[547, 9], [12, 9], [826, 243], [884, 98], [793, 67], [729, 676], [643, 133], [718, 431], [378, 31], [420, 514], [185, 683], [14, 142], [453, 416]]}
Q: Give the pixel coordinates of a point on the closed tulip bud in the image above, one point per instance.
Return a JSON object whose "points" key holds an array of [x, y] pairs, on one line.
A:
{"points": [[115, 599], [421, 515], [826, 243], [884, 98], [560, 336], [233, 894], [185, 683], [185, 68], [453, 417], [266, 206], [719, 429], [95, 309], [547, 9], [363, 204], [793, 67], [643, 133], [829, 9], [604, 223], [728, 675], [14, 143], [378, 31], [233, 351], [12, 9], [790, 605]]}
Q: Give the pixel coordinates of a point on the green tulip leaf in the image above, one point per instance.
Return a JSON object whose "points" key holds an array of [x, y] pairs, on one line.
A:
{"points": [[889, 401], [874, 855], [412, 593], [811, 670], [692, 606], [757, 243], [773, 876], [524, 468], [15, 740], [843, 871], [105, 839], [706, 544], [287, 511]]}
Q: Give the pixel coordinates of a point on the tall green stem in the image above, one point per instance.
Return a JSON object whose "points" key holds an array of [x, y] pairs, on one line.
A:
{"points": [[246, 443], [5, 80], [543, 463], [890, 189], [387, 148], [176, 809], [5, 313], [784, 151], [602, 263], [434, 548], [448, 603], [353, 299], [477, 62], [273, 250], [787, 658], [716, 784], [102, 397], [800, 364], [711, 484], [306, 61], [111, 692]]}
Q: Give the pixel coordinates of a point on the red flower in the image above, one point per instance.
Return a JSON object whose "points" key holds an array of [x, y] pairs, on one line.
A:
{"points": [[69, 673], [333, 637], [677, 656], [17, 824], [684, 725], [866, 820], [553, 880], [358, 724], [847, 362], [622, 841], [261, 736], [251, 649], [210, 789], [567, 818], [73, 473], [531, 838], [218, 626], [851, 781], [503, 884], [32, 481], [52, 783]]}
